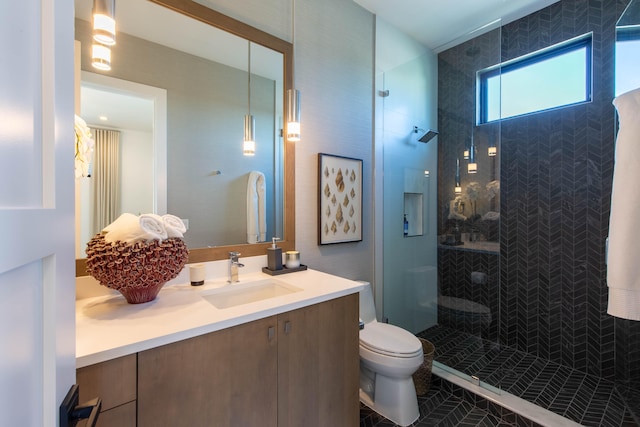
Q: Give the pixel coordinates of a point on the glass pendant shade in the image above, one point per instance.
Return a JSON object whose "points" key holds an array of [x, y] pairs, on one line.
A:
{"points": [[104, 22], [465, 154], [101, 57], [293, 115], [472, 167], [249, 146], [493, 151]]}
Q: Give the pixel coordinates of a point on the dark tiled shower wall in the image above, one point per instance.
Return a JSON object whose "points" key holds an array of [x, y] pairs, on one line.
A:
{"points": [[454, 279], [555, 171]]}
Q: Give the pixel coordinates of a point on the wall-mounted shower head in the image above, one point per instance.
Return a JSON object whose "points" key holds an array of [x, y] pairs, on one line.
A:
{"points": [[427, 136]]}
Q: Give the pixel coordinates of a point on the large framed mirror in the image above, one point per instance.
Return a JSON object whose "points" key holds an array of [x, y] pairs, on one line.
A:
{"points": [[182, 49]]}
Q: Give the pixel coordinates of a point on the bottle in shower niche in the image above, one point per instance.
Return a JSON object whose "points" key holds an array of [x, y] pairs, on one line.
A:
{"points": [[406, 226]]}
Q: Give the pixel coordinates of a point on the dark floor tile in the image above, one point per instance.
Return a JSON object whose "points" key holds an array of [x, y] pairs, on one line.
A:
{"points": [[568, 392]]}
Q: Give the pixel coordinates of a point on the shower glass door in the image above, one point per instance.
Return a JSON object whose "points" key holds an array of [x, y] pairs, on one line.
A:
{"points": [[409, 191], [466, 334]]}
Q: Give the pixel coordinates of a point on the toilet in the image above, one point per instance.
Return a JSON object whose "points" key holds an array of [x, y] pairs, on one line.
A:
{"points": [[389, 356]]}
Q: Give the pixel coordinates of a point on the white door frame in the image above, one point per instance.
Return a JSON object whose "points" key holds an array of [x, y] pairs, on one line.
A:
{"points": [[37, 267]]}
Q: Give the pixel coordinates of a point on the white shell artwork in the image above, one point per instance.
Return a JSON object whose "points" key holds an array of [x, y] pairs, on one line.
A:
{"points": [[340, 201]]}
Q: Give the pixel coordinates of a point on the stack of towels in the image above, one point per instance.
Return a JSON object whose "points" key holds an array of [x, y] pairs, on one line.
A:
{"points": [[129, 228]]}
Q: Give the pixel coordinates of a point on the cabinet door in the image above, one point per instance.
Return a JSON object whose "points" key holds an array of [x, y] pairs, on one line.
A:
{"points": [[226, 378], [318, 365]]}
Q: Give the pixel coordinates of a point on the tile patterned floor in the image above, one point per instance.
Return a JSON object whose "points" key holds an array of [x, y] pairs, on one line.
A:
{"points": [[439, 407], [585, 399]]}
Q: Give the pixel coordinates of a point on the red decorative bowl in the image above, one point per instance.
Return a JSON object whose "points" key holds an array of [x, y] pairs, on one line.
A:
{"points": [[136, 270]]}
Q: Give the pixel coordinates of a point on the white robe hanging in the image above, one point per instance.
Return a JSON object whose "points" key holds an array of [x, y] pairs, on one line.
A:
{"points": [[256, 208], [623, 259]]}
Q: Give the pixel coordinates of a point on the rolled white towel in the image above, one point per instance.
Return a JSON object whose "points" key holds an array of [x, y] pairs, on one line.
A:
{"points": [[175, 226], [152, 227], [125, 228]]}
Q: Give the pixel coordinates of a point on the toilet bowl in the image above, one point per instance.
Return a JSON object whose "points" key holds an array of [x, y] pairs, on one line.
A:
{"points": [[389, 356]]}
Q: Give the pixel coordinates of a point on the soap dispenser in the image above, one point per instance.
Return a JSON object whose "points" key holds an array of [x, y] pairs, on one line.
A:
{"points": [[274, 256]]}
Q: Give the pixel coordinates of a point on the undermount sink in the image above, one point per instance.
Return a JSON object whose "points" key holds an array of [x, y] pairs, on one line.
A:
{"points": [[245, 293]]}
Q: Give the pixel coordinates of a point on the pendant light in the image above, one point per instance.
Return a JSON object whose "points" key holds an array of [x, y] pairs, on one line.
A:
{"points": [[104, 22], [293, 95], [249, 145], [458, 188], [493, 150], [472, 167], [101, 57], [293, 115]]}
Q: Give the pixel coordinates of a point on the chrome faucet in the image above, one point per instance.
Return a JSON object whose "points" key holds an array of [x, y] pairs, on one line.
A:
{"points": [[234, 264]]}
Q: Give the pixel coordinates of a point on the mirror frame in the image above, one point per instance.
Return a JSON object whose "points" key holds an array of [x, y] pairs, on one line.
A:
{"points": [[240, 29]]}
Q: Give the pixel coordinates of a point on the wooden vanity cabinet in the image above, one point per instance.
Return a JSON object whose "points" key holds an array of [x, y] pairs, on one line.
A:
{"points": [[114, 381], [299, 368]]}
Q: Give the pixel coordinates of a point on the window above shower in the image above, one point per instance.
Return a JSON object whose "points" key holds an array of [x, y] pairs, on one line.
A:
{"points": [[554, 77]]}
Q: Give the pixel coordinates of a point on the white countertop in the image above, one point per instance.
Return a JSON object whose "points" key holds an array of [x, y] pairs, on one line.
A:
{"points": [[108, 327]]}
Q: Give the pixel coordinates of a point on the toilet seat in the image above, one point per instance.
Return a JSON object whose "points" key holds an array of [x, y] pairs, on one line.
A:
{"points": [[381, 337]]}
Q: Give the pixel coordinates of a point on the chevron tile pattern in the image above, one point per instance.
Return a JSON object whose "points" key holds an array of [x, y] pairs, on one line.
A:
{"points": [[586, 399], [448, 405], [547, 290]]}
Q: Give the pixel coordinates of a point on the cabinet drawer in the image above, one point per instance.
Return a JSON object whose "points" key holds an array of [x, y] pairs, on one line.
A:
{"points": [[114, 381]]}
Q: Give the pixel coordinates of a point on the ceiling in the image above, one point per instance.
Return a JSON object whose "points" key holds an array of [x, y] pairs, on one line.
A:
{"points": [[441, 24]]}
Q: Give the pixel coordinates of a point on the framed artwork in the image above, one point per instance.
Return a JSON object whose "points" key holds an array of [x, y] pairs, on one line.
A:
{"points": [[339, 199]]}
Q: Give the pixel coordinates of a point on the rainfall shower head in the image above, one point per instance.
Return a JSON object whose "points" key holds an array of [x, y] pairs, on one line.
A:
{"points": [[428, 134]]}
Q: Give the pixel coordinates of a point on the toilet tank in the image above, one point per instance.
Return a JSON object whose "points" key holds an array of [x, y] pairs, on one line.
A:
{"points": [[367, 306]]}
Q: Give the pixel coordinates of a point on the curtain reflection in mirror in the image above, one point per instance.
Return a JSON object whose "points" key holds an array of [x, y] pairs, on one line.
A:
{"points": [[106, 178]]}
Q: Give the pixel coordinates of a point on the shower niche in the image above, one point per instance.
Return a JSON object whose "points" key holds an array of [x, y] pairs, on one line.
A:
{"points": [[416, 191], [412, 225]]}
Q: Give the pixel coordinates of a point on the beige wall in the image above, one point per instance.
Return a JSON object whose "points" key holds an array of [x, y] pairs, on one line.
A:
{"points": [[334, 72], [334, 63]]}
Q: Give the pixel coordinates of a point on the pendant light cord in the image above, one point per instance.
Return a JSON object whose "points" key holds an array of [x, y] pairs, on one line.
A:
{"points": [[293, 42], [249, 78]]}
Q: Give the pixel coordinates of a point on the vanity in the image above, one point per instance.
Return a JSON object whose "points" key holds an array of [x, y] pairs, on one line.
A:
{"points": [[286, 360]]}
